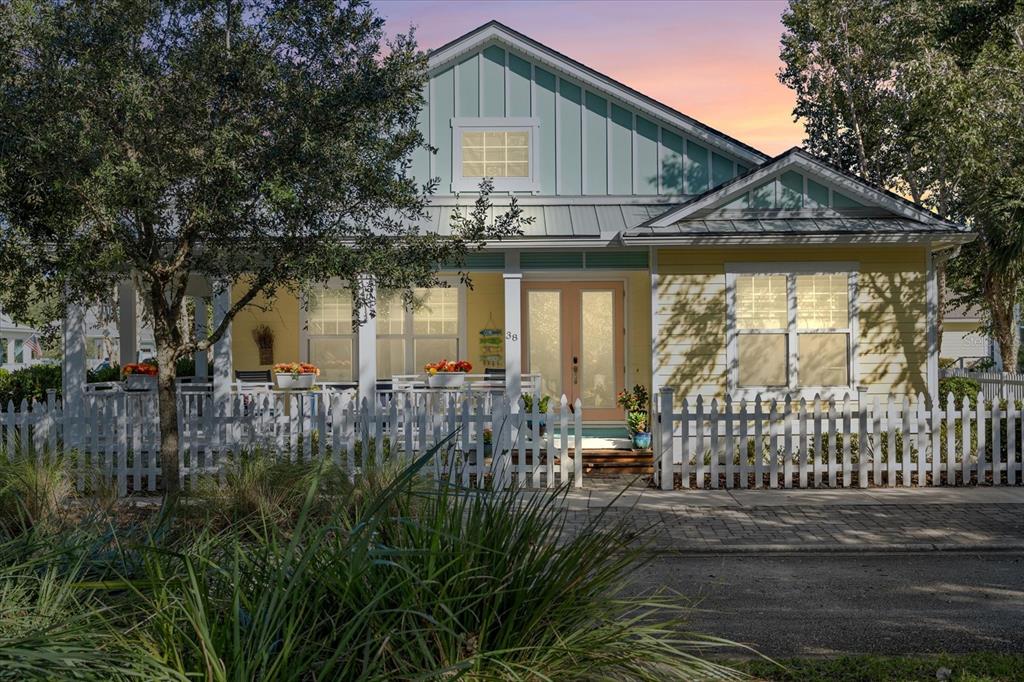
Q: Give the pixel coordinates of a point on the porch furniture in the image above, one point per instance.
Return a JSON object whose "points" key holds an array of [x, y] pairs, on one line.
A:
{"points": [[253, 379]]}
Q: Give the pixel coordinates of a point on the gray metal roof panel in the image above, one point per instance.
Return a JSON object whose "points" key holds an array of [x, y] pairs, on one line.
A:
{"points": [[793, 226], [559, 221], [584, 221]]}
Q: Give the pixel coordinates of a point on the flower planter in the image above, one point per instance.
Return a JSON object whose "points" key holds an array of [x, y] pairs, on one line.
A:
{"points": [[642, 441], [139, 382], [446, 380], [295, 381]]}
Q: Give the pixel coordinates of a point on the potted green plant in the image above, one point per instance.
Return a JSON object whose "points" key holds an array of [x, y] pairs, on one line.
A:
{"points": [[636, 403], [542, 410]]}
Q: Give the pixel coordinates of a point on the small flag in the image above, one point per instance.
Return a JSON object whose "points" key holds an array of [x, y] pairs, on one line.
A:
{"points": [[32, 343]]}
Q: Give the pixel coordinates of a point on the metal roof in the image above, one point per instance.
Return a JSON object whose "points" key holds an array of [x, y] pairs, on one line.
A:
{"points": [[796, 226], [561, 219]]}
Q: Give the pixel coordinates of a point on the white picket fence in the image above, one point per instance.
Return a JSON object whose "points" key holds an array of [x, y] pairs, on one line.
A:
{"points": [[807, 444], [995, 385], [480, 440]]}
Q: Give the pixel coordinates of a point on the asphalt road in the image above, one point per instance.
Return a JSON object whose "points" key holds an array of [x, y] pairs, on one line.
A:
{"points": [[822, 604]]}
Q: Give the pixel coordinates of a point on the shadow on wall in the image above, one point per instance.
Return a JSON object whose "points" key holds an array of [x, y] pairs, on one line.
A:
{"points": [[692, 340], [674, 178], [893, 331]]}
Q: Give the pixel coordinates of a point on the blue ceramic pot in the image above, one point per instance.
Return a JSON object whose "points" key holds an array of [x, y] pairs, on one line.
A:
{"points": [[641, 441]]}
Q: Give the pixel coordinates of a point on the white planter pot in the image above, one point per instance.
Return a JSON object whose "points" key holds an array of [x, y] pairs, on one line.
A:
{"points": [[139, 382], [446, 379], [292, 381]]}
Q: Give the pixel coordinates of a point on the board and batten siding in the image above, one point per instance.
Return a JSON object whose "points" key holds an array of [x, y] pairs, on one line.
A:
{"points": [[691, 308], [590, 144]]}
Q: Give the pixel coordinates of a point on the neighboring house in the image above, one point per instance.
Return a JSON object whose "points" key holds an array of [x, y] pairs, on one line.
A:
{"points": [[663, 252], [15, 349], [962, 341]]}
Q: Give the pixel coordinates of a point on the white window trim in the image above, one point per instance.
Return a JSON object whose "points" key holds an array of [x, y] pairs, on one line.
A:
{"points": [[496, 124], [336, 283], [790, 271]]}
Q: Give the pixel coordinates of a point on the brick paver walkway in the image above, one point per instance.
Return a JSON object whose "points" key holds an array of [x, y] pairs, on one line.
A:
{"points": [[742, 522]]}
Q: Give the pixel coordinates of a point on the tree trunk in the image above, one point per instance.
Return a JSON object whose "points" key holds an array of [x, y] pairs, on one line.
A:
{"points": [[1004, 323], [168, 408]]}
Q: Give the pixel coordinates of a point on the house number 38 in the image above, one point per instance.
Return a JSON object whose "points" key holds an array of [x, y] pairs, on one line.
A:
{"points": [[511, 336]]}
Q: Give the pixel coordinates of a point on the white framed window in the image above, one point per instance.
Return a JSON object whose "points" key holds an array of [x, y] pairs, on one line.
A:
{"points": [[792, 328], [408, 337], [504, 149], [331, 335]]}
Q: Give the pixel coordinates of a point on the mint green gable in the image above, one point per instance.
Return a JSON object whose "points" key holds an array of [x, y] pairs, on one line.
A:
{"points": [[589, 144], [792, 191]]}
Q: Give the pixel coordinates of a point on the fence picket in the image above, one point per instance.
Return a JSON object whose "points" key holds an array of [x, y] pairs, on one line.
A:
{"points": [[759, 447], [996, 415], [981, 464], [787, 468], [713, 426], [698, 443], [1011, 443]]}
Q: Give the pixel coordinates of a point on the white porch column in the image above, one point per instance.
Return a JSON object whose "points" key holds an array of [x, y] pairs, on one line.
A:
{"points": [[513, 277], [932, 310], [652, 260], [367, 346], [202, 358], [127, 324], [222, 360], [10, 350], [73, 370]]}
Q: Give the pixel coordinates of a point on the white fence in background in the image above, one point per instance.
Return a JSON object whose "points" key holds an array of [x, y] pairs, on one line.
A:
{"points": [[808, 444], [995, 385], [481, 441]]}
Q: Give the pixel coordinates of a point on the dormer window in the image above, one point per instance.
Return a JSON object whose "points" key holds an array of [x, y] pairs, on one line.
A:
{"points": [[500, 148]]}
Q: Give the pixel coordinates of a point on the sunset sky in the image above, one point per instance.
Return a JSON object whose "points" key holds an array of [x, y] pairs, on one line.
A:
{"points": [[715, 61]]}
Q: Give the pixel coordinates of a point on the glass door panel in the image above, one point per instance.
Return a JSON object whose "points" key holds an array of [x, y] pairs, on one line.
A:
{"points": [[544, 339], [596, 370]]}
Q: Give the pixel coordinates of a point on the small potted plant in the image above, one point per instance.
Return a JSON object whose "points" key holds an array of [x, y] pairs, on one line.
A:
{"points": [[139, 376], [295, 375], [636, 403], [542, 410], [447, 373]]}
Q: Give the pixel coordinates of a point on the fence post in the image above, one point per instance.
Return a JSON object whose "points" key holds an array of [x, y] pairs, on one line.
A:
{"points": [[665, 438]]}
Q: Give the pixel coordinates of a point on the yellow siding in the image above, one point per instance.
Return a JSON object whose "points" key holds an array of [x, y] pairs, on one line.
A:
{"points": [[892, 347], [282, 316], [638, 328], [485, 308]]}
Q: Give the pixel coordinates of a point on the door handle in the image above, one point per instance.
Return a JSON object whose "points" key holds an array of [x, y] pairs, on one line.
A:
{"points": [[575, 370]]}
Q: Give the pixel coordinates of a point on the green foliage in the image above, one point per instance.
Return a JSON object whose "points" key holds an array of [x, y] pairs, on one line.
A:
{"points": [[33, 492], [386, 576], [925, 98], [638, 422], [960, 388], [265, 146], [104, 374], [29, 383], [542, 405]]}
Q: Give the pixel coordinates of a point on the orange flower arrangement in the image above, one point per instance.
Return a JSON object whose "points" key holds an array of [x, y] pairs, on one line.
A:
{"points": [[296, 368], [433, 368], [145, 368]]}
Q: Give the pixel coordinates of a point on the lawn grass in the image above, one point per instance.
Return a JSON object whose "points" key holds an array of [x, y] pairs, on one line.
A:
{"points": [[979, 667]]}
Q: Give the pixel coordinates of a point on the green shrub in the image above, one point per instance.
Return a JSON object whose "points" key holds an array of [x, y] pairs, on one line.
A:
{"points": [[29, 383], [104, 374], [959, 388]]}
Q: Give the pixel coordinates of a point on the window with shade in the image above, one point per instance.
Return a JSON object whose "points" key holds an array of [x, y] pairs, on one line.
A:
{"points": [[792, 330], [500, 148], [408, 337]]}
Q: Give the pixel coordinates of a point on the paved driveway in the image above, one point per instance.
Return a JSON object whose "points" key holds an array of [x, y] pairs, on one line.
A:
{"points": [[886, 520], [827, 603], [818, 572]]}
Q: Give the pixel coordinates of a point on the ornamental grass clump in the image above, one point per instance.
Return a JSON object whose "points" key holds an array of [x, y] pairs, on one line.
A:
{"points": [[376, 574]]}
